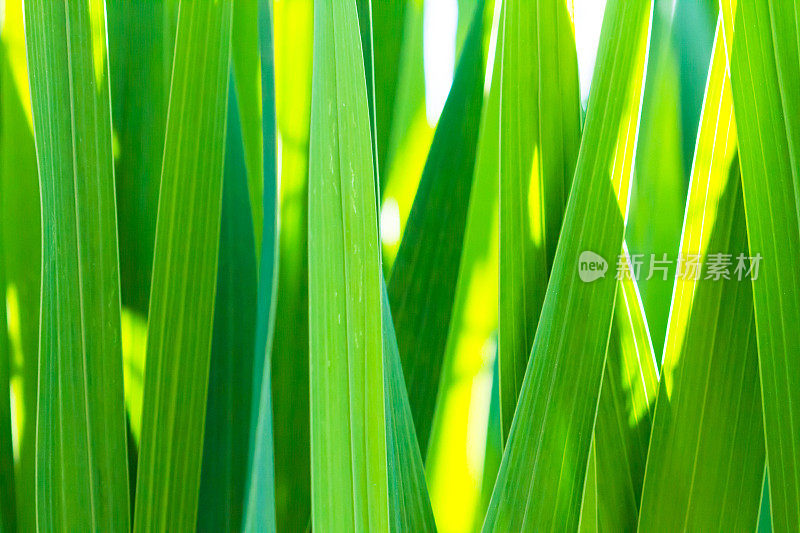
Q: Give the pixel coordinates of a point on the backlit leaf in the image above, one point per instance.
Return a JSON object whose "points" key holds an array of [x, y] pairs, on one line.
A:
{"points": [[761, 45], [540, 484]]}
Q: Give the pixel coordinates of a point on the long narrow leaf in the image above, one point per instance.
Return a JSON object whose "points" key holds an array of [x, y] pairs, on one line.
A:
{"points": [[23, 248], [539, 138], [226, 444], [260, 505], [81, 465], [706, 460], [348, 440], [246, 61], [184, 272], [8, 504], [624, 413], [542, 473], [290, 364], [409, 505], [422, 303], [140, 49], [759, 41]]}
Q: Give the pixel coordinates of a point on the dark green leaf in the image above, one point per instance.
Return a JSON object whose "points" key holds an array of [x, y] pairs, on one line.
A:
{"points": [[423, 282]]}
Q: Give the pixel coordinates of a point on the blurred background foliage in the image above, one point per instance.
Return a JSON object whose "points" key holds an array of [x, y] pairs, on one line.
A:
{"points": [[416, 47]]}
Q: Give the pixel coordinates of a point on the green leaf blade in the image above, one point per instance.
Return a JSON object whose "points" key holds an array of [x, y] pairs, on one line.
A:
{"points": [[184, 272], [706, 459], [542, 473], [766, 138], [81, 438], [409, 504], [8, 504], [539, 139], [226, 443], [625, 412], [422, 304], [260, 505], [348, 441]]}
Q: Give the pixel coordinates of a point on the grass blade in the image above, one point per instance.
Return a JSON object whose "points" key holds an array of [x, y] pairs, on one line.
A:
{"points": [[409, 505], [766, 140], [708, 416], [246, 61], [422, 304], [81, 440], [184, 272], [472, 337], [227, 435], [624, 413], [348, 440], [542, 473], [540, 134], [260, 506], [388, 18], [658, 194]]}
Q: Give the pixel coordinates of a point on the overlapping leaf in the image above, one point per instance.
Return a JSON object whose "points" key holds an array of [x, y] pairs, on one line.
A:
{"points": [[81, 466], [422, 303], [184, 272], [362, 437], [542, 473], [624, 413], [409, 505], [226, 443], [539, 138], [23, 248], [290, 395], [761, 42], [8, 504], [706, 458], [141, 42], [260, 505]]}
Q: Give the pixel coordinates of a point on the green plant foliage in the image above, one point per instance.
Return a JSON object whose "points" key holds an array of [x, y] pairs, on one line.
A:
{"points": [[624, 415], [254, 278], [708, 421], [548, 445], [141, 38], [290, 395], [348, 440], [433, 240], [21, 213], [81, 474], [409, 506], [184, 272], [761, 47], [8, 504], [227, 442], [260, 505], [539, 138]]}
